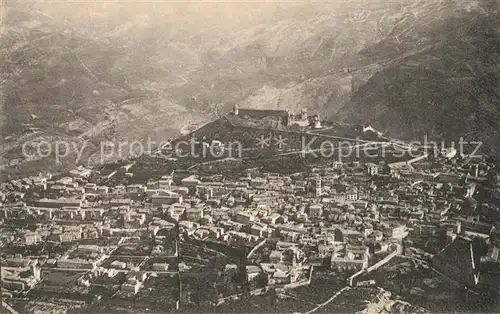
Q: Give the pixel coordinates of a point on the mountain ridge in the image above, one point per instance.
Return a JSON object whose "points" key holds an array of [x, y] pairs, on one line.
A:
{"points": [[114, 76], [448, 90]]}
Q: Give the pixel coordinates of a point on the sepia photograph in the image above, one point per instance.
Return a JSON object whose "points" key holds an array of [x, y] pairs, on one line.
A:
{"points": [[249, 156]]}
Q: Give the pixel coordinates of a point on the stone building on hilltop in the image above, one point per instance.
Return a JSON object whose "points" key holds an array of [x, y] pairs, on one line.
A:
{"points": [[283, 117]]}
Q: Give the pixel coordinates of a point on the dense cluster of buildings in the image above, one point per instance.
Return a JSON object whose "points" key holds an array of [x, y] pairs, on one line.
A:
{"points": [[343, 216]]}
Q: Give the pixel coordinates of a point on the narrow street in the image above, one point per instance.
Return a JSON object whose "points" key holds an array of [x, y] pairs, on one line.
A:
{"points": [[329, 300]]}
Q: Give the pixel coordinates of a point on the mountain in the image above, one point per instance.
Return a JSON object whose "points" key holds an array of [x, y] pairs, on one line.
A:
{"points": [[444, 81], [127, 72]]}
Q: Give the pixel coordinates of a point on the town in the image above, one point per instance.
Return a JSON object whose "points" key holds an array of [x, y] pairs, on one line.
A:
{"points": [[93, 238]]}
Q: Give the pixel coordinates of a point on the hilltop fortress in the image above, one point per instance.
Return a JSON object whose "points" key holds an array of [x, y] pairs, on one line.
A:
{"points": [[283, 117]]}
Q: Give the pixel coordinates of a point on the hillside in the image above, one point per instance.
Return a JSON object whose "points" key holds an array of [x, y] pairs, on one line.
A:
{"points": [[445, 84], [122, 72]]}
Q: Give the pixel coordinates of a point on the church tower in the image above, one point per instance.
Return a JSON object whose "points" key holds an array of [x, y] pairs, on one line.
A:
{"points": [[36, 271], [318, 186]]}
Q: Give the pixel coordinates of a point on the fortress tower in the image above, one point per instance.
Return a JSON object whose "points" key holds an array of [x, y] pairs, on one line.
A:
{"points": [[303, 114], [317, 122]]}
